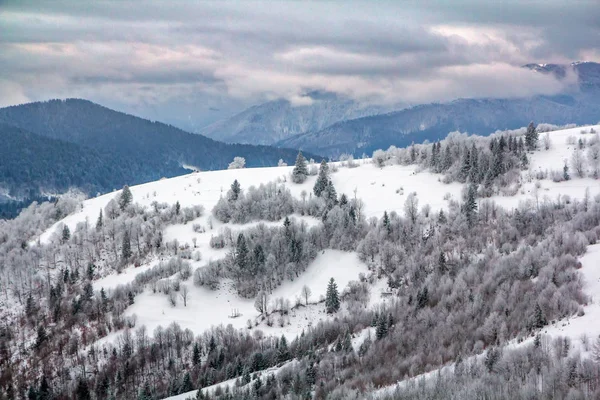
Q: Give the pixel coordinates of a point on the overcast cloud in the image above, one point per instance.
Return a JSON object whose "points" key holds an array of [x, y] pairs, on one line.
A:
{"points": [[191, 64]]}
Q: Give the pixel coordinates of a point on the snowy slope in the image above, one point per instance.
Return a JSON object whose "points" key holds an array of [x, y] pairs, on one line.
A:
{"points": [[381, 189]]}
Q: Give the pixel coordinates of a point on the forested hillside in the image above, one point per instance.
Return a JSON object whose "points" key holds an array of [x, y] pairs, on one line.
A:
{"points": [[78, 143]]}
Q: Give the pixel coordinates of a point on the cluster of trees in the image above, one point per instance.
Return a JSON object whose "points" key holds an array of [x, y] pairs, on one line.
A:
{"points": [[54, 310], [545, 369]]}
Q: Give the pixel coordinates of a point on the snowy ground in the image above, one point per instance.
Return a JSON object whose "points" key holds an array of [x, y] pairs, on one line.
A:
{"points": [[206, 308]]}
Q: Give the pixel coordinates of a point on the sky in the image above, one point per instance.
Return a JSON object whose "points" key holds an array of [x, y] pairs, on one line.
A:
{"points": [[192, 63]]}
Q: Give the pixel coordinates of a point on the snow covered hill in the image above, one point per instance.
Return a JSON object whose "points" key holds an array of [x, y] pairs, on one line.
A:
{"points": [[383, 190]]}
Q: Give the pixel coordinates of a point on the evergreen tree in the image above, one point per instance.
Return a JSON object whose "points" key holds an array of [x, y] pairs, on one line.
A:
{"points": [[126, 198], [300, 171], [347, 342], [145, 392], [386, 223], [66, 234], [99, 222], [442, 263], [322, 180], [104, 300], [44, 392], [177, 208], [42, 336], [241, 253], [196, 355], [332, 299], [470, 207], [235, 191], [83, 392], [88, 292], [566, 175], [187, 385], [283, 352], [422, 298], [447, 161], [32, 394], [539, 319], [29, 306], [126, 247], [131, 298], [382, 328], [531, 137]]}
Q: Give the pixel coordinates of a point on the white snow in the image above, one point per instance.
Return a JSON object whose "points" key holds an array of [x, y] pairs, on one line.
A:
{"points": [[206, 308]]}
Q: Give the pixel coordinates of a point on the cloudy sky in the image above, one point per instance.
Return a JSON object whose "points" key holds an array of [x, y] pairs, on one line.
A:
{"points": [[193, 63]]}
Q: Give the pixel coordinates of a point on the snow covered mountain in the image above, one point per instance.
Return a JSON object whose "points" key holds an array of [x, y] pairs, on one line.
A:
{"points": [[480, 116], [277, 120]]}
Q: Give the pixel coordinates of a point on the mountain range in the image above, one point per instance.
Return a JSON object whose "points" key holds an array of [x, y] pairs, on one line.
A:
{"points": [[51, 146], [332, 125]]}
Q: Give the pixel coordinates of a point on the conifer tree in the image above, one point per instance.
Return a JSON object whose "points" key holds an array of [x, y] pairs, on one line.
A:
{"points": [[126, 198], [241, 254], [235, 191], [332, 299], [283, 352], [83, 391], [382, 328], [531, 137], [566, 175], [470, 207], [196, 355], [300, 171], [44, 392], [66, 234], [442, 263], [186, 386], [42, 336], [126, 247], [99, 222], [322, 180], [539, 320]]}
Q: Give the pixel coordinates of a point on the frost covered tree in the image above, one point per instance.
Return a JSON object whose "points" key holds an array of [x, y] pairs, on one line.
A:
{"points": [[578, 163], [594, 159], [332, 297], [531, 137], [126, 247], [322, 180], [237, 163], [66, 234], [261, 303], [125, 198], [306, 292], [234, 193], [99, 222], [300, 171], [470, 206]]}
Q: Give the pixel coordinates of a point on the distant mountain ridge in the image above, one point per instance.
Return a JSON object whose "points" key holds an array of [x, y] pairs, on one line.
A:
{"points": [[481, 116], [97, 149], [278, 120]]}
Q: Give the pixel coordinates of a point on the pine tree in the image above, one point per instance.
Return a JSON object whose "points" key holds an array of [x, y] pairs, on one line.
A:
{"points": [[177, 208], [386, 223], [422, 298], [44, 392], [99, 222], [531, 137], [131, 298], [442, 263], [447, 161], [332, 299], [300, 171], [83, 391], [187, 385], [42, 336], [241, 254], [88, 292], [566, 175], [283, 352], [322, 180], [347, 343], [104, 300], [126, 247], [235, 191], [539, 320], [196, 355], [126, 198], [382, 328], [29, 306], [66, 234], [470, 207]]}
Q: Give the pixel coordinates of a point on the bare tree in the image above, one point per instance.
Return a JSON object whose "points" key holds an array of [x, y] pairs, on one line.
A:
{"points": [[173, 298], [184, 294], [547, 141], [594, 159], [578, 163], [306, 292], [261, 303]]}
